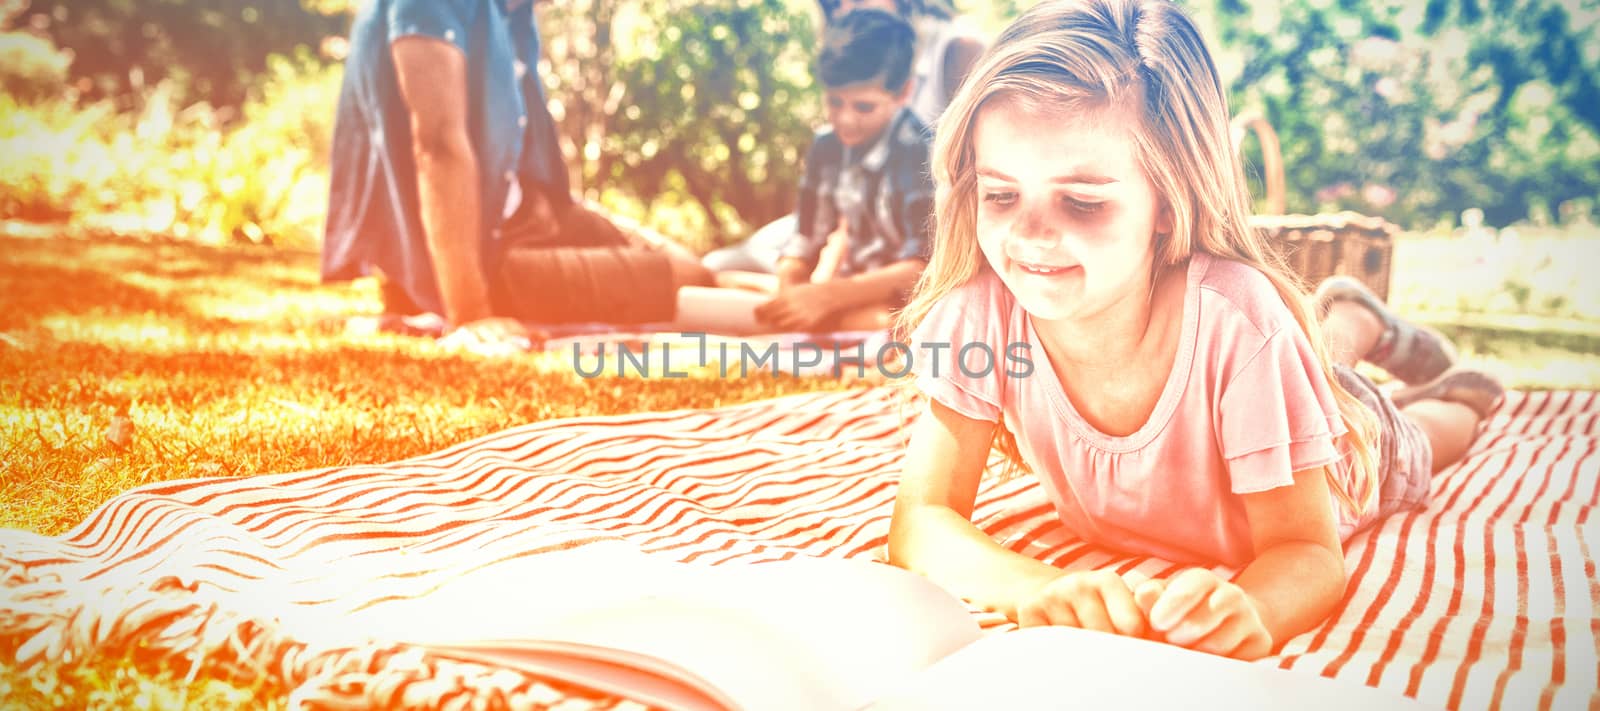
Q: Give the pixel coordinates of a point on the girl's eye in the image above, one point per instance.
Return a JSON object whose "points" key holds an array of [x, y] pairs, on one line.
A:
{"points": [[1083, 207], [864, 108], [1000, 198]]}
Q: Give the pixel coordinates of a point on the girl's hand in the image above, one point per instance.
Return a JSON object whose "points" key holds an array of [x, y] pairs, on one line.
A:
{"points": [[1097, 600], [1198, 610]]}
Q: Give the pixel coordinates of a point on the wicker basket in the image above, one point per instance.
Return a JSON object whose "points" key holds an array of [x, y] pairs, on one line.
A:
{"points": [[1317, 246], [1320, 246]]}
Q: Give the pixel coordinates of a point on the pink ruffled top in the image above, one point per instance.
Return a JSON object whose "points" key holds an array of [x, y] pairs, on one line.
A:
{"points": [[1245, 406]]}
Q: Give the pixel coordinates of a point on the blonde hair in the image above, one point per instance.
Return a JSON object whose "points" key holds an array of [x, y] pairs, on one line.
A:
{"points": [[1145, 60]]}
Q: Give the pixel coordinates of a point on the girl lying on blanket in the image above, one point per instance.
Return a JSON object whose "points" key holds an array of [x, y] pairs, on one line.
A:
{"points": [[1092, 209]]}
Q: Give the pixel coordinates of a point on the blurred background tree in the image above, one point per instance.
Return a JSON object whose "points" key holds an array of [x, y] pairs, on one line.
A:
{"points": [[710, 107], [216, 49], [1415, 112], [208, 119]]}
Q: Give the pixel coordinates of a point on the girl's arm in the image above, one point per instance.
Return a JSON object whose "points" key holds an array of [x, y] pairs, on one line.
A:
{"points": [[931, 531], [1298, 574], [1294, 582]]}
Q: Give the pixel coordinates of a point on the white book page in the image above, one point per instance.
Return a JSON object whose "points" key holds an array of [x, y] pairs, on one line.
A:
{"points": [[812, 634], [1068, 668]]}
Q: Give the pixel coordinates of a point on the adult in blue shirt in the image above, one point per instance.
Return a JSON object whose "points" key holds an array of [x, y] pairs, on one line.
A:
{"points": [[447, 180]]}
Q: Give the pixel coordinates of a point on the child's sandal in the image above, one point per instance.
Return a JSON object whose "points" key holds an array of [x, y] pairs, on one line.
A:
{"points": [[1477, 390], [1412, 353]]}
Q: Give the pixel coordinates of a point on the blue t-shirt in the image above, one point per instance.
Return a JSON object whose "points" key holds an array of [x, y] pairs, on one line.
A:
{"points": [[374, 218]]}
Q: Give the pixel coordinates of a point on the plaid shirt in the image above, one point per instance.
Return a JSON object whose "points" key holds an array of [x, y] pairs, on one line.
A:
{"points": [[882, 191]]}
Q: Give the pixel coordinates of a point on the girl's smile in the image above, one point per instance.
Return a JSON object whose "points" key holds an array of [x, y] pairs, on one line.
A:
{"points": [[1044, 270]]}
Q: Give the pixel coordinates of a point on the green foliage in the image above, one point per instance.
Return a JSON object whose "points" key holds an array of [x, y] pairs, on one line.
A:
{"points": [[1416, 113], [177, 169], [693, 115], [267, 180], [206, 49], [696, 106], [56, 156], [30, 67]]}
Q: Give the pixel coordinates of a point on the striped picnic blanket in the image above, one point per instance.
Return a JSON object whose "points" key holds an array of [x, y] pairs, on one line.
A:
{"points": [[1488, 599]]}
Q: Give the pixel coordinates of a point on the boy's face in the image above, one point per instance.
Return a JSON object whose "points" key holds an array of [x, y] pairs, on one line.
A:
{"points": [[860, 112], [846, 6]]}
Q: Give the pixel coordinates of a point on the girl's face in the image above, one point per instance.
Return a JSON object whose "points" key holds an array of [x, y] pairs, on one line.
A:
{"points": [[1066, 217]]}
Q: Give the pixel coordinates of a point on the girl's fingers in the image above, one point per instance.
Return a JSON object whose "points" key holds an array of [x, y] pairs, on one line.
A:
{"points": [[1222, 641], [1254, 646], [1126, 617], [1091, 613], [1196, 626], [1059, 610], [1045, 613], [1226, 605], [1062, 614], [1182, 594], [1147, 593], [1030, 616]]}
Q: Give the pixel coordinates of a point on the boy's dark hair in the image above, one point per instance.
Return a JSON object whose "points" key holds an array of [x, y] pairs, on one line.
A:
{"points": [[867, 45], [907, 8]]}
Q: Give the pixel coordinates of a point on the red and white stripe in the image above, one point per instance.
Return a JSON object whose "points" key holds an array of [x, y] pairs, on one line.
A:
{"points": [[1487, 599]]}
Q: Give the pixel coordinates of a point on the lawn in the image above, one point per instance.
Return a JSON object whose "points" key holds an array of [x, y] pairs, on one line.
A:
{"points": [[125, 362]]}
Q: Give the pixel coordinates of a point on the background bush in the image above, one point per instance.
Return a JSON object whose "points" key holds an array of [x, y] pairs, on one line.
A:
{"points": [[160, 166], [209, 119], [1418, 110], [695, 110]]}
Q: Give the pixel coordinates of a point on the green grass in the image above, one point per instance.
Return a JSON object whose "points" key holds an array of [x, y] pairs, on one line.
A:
{"points": [[223, 362], [1525, 308]]}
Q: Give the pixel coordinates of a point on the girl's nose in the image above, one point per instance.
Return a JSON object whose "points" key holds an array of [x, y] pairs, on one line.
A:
{"points": [[1032, 226]]}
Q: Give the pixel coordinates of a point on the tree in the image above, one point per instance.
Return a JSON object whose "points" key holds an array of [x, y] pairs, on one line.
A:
{"points": [[214, 48], [1416, 113], [712, 99], [1528, 40]]}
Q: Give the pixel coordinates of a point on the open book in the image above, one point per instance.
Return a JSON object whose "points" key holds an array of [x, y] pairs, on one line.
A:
{"points": [[809, 634]]}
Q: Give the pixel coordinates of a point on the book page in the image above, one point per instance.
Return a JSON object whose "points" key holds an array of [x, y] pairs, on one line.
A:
{"points": [[813, 634], [1062, 668]]}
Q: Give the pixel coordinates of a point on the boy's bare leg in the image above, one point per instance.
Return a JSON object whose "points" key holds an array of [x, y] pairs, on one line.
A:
{"points": [[875, 317], [723, 311], [748, 281]]}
